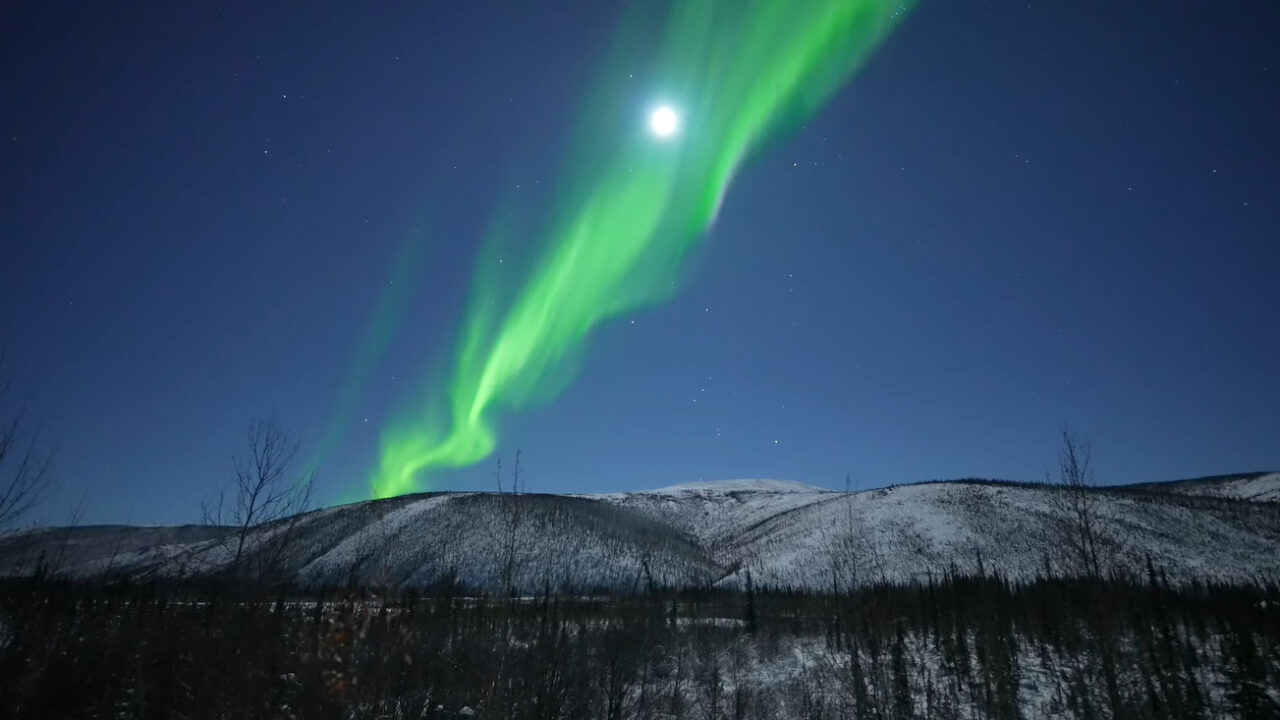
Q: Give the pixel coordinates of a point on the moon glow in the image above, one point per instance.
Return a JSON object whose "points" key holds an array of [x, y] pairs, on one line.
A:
{"points": [[663, 122]]}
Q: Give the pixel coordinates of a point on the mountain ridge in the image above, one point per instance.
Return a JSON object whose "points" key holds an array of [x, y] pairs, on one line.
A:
{"points": [[786, 534]]}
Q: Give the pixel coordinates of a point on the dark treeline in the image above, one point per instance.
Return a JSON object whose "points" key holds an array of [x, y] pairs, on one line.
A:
{"points": [[954, 648]]}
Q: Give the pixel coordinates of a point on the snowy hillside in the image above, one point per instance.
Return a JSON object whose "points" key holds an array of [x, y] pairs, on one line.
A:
{"points": [[714, 512], [97, 547], [562, 541], [908, 532], [784, 533], [1257, 487]]}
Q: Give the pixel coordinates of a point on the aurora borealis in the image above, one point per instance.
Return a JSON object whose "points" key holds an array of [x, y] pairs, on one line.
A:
{"points": [[947, 229], [742, 70]]}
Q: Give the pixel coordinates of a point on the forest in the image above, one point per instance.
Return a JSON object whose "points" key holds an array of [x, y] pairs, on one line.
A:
{"points": [[953, 647]]}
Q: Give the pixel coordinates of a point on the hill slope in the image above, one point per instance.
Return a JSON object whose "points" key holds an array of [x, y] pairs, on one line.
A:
{"points": [[908, 532], [1257, 486], [785, 534], [714, 512]]}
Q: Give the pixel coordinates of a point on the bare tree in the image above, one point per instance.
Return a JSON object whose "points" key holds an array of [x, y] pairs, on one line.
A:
{"points": [[1079, 532], [53, 566], [512, 519], [24, 467], [855, 557], [505, 539], [266, 490]]}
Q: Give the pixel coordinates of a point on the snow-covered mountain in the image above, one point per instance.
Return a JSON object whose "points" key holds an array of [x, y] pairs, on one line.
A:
{"points": [[908, 532], [1257, 486], [783, 533], [714, 512]]}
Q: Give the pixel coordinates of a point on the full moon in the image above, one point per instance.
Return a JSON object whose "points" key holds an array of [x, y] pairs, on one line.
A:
{"points": [[663, 121]]}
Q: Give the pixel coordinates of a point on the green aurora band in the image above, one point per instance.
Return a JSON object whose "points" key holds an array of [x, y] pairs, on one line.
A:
{"points": [[738, 72]]}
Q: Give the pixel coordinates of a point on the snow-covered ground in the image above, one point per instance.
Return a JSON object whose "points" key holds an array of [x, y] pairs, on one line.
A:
{"points": [[909, 532], [714, 512], [1257, 488]]}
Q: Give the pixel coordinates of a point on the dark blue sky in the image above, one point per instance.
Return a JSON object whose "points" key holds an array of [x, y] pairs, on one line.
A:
{"points": [[1013, 218]]}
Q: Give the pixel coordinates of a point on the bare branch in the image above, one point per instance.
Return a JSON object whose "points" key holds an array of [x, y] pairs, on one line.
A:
{"points": [[1078, 524], [265, 491], [25, 469]]}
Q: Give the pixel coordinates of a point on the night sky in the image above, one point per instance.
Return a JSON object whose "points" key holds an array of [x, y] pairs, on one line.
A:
{"points": [[1014, 217]]}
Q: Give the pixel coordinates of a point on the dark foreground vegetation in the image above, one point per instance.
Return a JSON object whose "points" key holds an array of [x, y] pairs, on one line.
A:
{"points": [[955, 648]]}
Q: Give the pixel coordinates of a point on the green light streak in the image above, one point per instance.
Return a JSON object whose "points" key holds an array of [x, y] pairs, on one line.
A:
{"points": [[739, 71], [383, 323]]}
